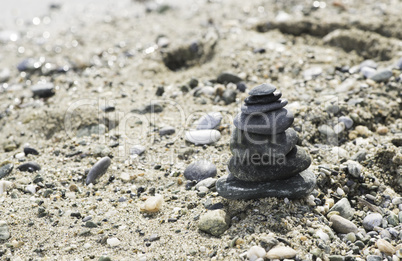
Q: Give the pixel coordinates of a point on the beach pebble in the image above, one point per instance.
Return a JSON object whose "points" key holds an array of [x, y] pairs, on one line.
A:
{"points": [[43, 90], [368, 63], [339, 128], [385, 247], [281, 252], [382, 76], [167, 130], [262, 89], [98, 170], [201, 137], [5, 169], [229, 96], [322, 235], [312, 73], [368, 71], [347, 121], [29, 166], [241, 86], [209, 121], [214, 222], [137, 150], [208, 183], [30, 64], [354, 168], [104, 258], [31, 188], [29, 150], [113, 241], [200, 170], [152, 204], [256, 252], [342, 225], [4, 232], [372, 220], [4, 75], [4, 186], [227, 78], [344, 208], [396, 201]]}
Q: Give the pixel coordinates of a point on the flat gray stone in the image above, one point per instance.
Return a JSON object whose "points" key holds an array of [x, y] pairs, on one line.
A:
{"points": [[252, 108], [279, 144], [263, 99], [137, 150], [267, 123], [262, 89], [298, 186], [200, 170], [270, 167]]}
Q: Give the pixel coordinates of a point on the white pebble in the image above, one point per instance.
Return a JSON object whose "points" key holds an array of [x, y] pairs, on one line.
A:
{"points": [[152, 204], [125, 176], [31, 188], [322, 235], [4, 186], [20, 155], [340, 192], [87, 245], [113, 242], [310, 200], [255, 252], [281, 252]]}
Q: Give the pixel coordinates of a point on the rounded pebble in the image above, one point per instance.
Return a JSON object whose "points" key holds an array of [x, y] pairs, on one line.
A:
{"points": [[256, 252], [281, 252], [29, 166], [214, 222], [342, 225], [372, 220], [98, 170], [202, 137], [209, 121], [152, 204], [200, 170]]}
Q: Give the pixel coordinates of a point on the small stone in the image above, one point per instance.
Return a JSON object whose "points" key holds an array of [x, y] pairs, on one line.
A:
{"points": [[312, 73], [382, 76], [193, 83], [368, 72], [137, 150], [344, 208], [263, 99], [149, 108], [98, 170], [339, 128], [374, 258], [368, 63], [108, 108], [382, 130], [347, 121], [201, 137], [30, 64], [209, 121], [351, 237], [372, 220], [29, 166], [336, 258], [168, 130], [385, 247], [241, 86], [354, 168], [5, 75], [4, 186], [31, 188], [91, 224], [214, 222], [113, 241], [208, 183], [399, 64], [200, 170], [396, 201], [29, 150], [393, 219], [154, 237], [5, 169], [256, 108], [227, 78], [262, 89], [256, 252], [229, 96], [4, 232], [281, 252], [104, 258], [322, 235], [43, 90], [152, 204], [342, 225], [160, 91]]}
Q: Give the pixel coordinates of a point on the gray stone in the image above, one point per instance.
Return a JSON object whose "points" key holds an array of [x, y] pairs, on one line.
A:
{"points": [[98, 169], [312, 73], [209, 121], [208, 183], [214, 222], [342, 225], [255, 108], [368, 72], [385, 234], [228, 77], [263, 99], [266, 168], [137, 150], [29, 166], [200, 170], [104, 258], [396, 201], [368, 63], [167, 130], [4, 232], [382, 76], [201, 137], [393, 219], [229, 96], [267, 123], [347, 121], [97, 129], [5, 169], [372, 220], [30, 64], [43, 90], [149, 108], [242, 142], [354, 168], [399, 64], [298, 186], [262, 90], [374, 258], [336, 258], [344, 208]]}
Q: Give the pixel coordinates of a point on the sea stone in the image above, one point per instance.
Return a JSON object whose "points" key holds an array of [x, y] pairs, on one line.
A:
{"points": [[381, 76], [344, 208], [201, 137], [5, 169], [342, 225], [371, 221], [209, 121], [279, 144], [43, 90], [297, 186], [270, 168], [252, 108], [267, 123], [214, 222], [263, 99], [29, 166], [200, 170], [281, 252], [4, 232], [263, 89], [98, 170]]}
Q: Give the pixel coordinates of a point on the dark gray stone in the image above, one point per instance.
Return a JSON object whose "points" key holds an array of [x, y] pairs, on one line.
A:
{"points": [[382, 76], [298, 186], [98, 170], [168, 130], [262, 90], [242, 142], [29, 166], [269, 167], [200, 170], [29, 150], [209, 121], [228, 77], [252, 108], [267, 123], [43, 90], [263, 99], [229, 96], [150, 108], [241, 86], [6, 169]]}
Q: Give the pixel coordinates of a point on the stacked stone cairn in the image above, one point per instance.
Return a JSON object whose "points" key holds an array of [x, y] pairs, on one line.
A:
{"points": [[266, 161]]}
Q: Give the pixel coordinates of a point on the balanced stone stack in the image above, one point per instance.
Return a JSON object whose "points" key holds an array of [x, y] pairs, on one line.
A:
{"points": [[266, 161]]}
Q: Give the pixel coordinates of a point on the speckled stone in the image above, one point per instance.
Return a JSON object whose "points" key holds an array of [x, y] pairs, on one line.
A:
{"points": [[255, 108], [262, 89], [263, 99]]}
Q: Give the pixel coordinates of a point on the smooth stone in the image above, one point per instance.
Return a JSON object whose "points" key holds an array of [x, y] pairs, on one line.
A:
{"points": [[6, 169], [201, 137], [270, 169], [263, 99], [137, 150], [241, 86], [281, 252], [200, 170], [242, 142], [104, 258], [312, 73], [374, 258], [298, 186], [152, 204], [30, 64], [228, 77], [229, 96], [209, 121], [214, 222], [397, 200], [29, 166], [344, 208], [253, 108], [255, 253], [167, 130], [5, 75], [262, 90], [43, 90], [354, 168], [208, 183], [113, 241], [267, 123], [399, 64], [4, 232], [372, 220], [382, 76], [368, 63], [29, 150], [368, 72], [149, 108], [385, 247], [393, 219], [336, 258], [342, 225], [98, 169], [347, 121]]}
